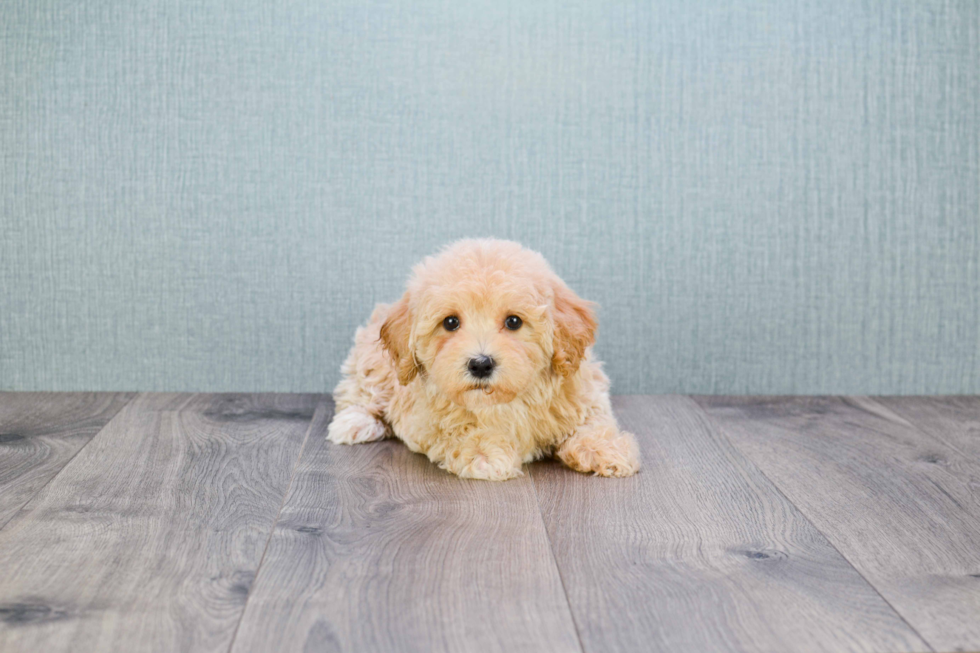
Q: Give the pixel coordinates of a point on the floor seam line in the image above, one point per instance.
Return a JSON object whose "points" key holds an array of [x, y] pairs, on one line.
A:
{"points": [[916, 426], [554, 559], [721, 433], [73, 456], [272, 530]]}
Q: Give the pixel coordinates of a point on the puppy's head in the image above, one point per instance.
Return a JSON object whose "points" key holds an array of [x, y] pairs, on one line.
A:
{"points": [[485, 321]]}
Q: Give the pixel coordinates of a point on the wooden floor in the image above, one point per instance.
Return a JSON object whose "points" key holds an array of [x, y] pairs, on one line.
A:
{"points": [[175, 522]]}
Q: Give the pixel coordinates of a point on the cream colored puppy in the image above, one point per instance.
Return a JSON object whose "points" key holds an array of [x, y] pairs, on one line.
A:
{"points": [[484, 364]]}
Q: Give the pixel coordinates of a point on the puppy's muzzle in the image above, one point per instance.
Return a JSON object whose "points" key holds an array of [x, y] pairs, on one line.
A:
{"points": [[481, 366]]}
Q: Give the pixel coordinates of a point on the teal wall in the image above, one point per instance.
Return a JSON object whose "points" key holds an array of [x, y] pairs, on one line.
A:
{"points": [[764, 196]]}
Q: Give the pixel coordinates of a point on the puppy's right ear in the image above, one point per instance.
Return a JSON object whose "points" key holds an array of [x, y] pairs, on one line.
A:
{"points": [[395, 338]]}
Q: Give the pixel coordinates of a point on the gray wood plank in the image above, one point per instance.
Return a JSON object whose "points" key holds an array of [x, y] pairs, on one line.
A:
{"points": [[903, 508], [377, 549], [954, 421], [700, 552], [150, 537], [40, 432]]}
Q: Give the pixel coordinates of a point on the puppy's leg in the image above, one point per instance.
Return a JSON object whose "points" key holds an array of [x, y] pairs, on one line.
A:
{"points": [[354, 425], [485, 458], [600, 447], [365, 389]]}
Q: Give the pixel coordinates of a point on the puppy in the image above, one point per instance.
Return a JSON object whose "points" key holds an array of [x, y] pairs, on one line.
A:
{"points": [[484, 364]]}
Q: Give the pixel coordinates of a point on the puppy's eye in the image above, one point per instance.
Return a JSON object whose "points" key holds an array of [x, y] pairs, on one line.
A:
{"points": [[513, 322], [451, 323]]}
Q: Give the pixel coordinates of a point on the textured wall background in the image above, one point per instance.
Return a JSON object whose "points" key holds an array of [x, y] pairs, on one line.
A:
{"points": [[764, 196]]}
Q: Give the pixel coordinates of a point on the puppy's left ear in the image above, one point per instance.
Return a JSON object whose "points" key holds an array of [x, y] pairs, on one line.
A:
{"points": [[395, 336], [575, 327]]}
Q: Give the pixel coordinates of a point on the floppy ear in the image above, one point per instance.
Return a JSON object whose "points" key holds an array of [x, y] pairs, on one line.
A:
{"points": [[395, 334], [575, 327]]}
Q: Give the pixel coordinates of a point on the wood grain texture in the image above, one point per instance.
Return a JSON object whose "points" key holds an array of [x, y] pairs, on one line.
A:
{"points": [[699, 552], [150, 537], [954, 421], [377, 549], [902, 507], [40, 432]]}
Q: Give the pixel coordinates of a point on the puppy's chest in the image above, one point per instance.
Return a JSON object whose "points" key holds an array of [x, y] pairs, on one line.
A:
{"points": [[424, 425]]}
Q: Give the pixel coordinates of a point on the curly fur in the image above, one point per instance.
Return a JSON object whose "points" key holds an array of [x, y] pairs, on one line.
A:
{"points": [[406, 375]]}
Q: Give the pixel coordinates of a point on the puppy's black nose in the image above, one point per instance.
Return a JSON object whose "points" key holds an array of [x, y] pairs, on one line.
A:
{"points": [[481, 366]]}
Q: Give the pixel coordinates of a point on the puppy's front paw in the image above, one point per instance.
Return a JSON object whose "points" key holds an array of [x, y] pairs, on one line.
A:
{"points": [[606, 453], [354, 425], [486, 466]]}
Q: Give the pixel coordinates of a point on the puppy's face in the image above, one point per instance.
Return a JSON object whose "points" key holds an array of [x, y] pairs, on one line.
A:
{"points": [[482, 348], [485, 322]]}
